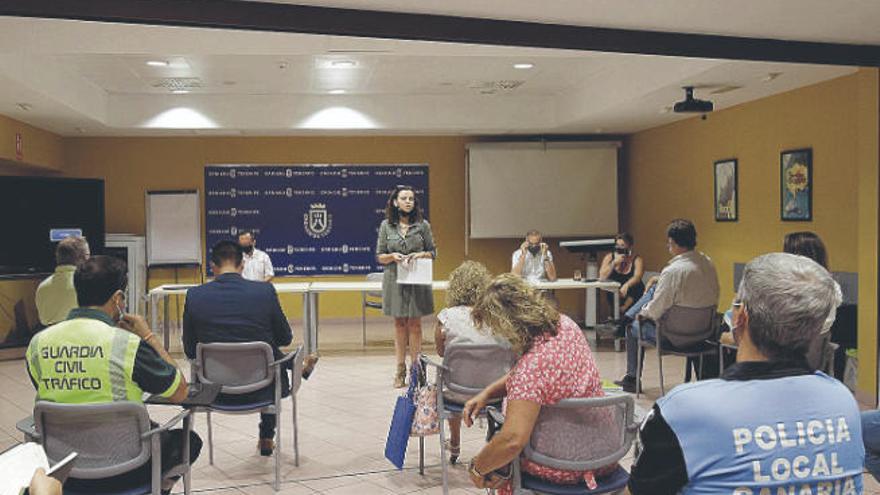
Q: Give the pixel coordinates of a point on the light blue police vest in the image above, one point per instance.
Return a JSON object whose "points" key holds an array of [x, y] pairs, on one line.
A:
{"points": [[798, 435]]}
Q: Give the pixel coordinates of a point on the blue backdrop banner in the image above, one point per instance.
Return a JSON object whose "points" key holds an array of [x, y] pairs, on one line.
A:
{"points": [[313, 219]]}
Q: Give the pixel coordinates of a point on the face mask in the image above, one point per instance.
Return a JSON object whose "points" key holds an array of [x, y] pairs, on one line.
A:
{"points": [[534, 248], [248, 249]]}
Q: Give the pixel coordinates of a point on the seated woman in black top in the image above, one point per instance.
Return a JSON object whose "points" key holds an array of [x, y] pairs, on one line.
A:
{"points": [[626, 268]]}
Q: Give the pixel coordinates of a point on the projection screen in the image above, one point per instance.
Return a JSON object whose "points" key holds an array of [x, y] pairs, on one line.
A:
{"points": [[563, 189]]}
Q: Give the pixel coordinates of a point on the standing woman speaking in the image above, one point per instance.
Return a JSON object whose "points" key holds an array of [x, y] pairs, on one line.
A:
{"points": [[403, 235]]}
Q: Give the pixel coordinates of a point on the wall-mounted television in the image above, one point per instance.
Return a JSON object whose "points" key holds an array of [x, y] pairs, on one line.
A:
{"points": [[36, 212]]}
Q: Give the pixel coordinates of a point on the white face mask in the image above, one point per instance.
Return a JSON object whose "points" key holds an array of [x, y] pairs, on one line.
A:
{"points": [[121, 313]]}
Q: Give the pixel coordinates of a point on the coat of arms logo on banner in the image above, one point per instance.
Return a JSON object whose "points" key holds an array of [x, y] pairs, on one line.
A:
{"points": [[318, 222]]}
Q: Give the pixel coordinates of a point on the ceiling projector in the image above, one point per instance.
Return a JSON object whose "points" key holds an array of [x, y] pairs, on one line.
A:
{"points": [[691, 104]]}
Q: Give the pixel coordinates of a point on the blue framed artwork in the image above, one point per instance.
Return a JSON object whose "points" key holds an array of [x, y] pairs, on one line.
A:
{"points": [[796, 191]]}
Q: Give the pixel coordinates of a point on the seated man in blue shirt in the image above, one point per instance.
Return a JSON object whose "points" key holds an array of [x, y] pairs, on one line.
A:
{"points": [[770, 424], [232, 309]]}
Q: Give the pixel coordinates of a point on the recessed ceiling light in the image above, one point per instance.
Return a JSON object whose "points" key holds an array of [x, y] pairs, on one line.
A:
{"points": [[157, 63], [338, 118], [343, 64], [180, 91], [337, 91], [180, 118], [523, 66]]}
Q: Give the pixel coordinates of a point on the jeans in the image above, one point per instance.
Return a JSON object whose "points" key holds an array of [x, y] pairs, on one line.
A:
{"points": [[649, 332], [638, 305], [871, 438]]}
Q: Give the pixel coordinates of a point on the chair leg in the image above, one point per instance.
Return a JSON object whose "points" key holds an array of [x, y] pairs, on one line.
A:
{"points": [[699, 371], [187, 475], [295, 431], [156, 468], [422, 455], [210, 441], [443, 459], [688, 365], [364, 319], [660, 366], [640, 356], [277, 484]]}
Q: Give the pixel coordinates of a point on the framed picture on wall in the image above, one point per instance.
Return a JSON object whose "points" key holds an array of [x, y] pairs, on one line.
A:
{"points": [[796, 191], [725, 191]]}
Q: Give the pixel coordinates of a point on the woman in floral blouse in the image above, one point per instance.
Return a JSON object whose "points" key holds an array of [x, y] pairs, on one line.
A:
{"points": [[555, 363]]}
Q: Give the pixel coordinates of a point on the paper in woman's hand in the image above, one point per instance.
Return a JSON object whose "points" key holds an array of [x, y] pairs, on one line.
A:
{"points": [[415, 271]]}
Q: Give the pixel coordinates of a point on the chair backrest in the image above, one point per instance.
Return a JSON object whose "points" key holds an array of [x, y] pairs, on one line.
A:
{"points": [[583, 434], [472, 367], [375, 277], [683, 326], [109, 439], [240, 367]]}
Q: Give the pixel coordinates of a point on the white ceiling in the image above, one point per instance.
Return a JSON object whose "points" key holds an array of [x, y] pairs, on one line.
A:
{"points": [[841, 21], [83, 78]]}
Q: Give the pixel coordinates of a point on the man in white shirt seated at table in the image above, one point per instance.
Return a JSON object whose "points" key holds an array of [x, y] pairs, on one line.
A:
{"points": [[257, 264], [533, 260], [688, 280]]}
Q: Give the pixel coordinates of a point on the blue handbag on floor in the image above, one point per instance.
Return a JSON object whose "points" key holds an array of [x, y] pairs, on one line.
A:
{"points": [[401, 423]]}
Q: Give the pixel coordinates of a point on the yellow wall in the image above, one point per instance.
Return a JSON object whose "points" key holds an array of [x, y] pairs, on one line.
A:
{"points": [[868, 153], [42, 155], [670, 174], [130, 166], [42, 151]]}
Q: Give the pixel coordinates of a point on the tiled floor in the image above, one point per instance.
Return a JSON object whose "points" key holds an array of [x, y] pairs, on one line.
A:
{"points": [[344, 412]]}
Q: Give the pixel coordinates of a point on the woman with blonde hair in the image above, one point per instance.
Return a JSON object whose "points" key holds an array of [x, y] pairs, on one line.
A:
{"points": [[555, 363], [454, 325]]}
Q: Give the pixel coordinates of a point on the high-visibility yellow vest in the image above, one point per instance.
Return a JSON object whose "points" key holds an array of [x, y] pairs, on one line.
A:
{"points": [[84, 360]]}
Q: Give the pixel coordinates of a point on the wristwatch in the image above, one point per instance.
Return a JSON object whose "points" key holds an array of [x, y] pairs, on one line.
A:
{"points": [[472, 469]]}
